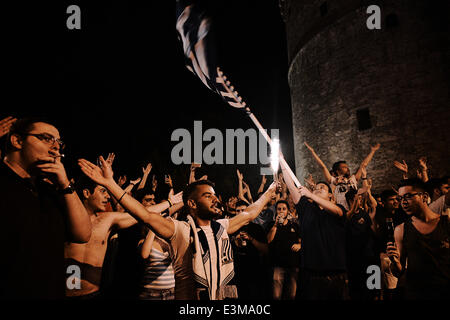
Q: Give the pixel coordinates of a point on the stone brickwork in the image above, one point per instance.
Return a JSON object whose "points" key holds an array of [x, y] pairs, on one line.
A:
{"points": [[401, 73]]}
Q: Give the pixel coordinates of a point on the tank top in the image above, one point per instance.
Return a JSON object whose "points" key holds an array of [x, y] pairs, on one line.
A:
{"points": [[158, 270], [428, 270]]}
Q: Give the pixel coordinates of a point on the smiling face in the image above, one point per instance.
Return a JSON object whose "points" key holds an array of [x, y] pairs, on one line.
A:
{"points": [[98, 200], [203, 203], [412, 201]]}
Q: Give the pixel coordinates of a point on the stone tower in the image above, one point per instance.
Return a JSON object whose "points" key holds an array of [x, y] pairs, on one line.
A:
{"points": [[352, 87]]}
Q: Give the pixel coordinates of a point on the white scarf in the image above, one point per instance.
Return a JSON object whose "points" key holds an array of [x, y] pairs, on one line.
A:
{"points": [[201, 258]]}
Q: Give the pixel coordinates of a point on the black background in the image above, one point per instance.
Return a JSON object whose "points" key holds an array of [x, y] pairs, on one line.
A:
{"points": [[120, 85]]}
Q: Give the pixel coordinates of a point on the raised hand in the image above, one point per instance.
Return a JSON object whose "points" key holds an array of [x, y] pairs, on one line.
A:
{"points": [[5, 125], [305, 191], [136, 181], [146, 170], [110, 159], [195, 166], [308, 146], [168, 180], [239, 175], [310, 181], [102, 175], [423, 163], [177, 198], [263, 180], [401, 166], [122, 180], [296, 247], [205, 177], [375, 147]]}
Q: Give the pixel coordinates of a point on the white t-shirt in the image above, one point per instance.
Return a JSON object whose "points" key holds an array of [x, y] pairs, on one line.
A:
{"points": [[341, 189], [439, 206], [182, 258]]}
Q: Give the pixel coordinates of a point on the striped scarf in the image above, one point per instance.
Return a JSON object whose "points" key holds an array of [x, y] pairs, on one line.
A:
{"points": [[201, 259]]}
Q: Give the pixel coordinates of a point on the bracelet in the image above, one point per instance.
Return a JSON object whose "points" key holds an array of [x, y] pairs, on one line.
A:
{"points": [[170, 203], [121, 197]]}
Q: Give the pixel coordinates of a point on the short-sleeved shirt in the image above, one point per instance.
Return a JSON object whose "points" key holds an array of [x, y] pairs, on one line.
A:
{"points": [[181, 251], [280, 250], [323, 237], [361, 245], [32, 238], [439, 206]]}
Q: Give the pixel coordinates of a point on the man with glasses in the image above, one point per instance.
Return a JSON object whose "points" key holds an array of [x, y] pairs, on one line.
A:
{"points": [[422, 246], [40, 211]]}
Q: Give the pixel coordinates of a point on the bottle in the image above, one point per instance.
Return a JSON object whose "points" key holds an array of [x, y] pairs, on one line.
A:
{"points": [[390, 233], [390, 230]]}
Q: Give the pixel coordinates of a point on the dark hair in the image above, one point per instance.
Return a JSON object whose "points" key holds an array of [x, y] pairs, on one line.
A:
{"points": [[416, 183], [190, 189], [282, 201], [22, 127], [241, 203], [325, 183], [434, 183], [141, 193], [336, 166], [83, 182], [385, 194]]}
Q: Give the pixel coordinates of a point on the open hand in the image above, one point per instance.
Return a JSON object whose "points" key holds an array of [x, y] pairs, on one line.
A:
{"points": [[99, 175], [5, 125], [401, 166]]}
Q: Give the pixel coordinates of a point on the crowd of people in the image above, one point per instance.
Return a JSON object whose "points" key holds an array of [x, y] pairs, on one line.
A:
{"points": [[97, 236]]}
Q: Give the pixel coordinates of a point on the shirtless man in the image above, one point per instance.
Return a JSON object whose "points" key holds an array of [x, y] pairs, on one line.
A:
{"points": [[89, 256], [189, 240]]}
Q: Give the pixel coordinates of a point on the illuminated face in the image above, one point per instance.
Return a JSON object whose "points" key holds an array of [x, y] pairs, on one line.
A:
{"points": [[205, 202], [343, 170], [98, 200], [412, 201], [282, 210], [322, 191], [38, 143], [148, 200]]}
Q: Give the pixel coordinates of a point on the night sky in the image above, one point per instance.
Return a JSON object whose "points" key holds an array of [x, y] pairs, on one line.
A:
{"points": [[120, 85]]}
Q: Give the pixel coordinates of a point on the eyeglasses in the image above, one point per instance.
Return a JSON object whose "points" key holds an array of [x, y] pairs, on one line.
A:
{"points": [[48, 139], [407, 196]]}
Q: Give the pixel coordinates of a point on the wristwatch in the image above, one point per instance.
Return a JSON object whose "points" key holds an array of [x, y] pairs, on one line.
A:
{"points": [[68, 190]]}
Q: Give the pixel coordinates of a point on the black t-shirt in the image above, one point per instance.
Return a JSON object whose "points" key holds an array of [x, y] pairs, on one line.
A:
{"points": [[361, 248], [32, 238], [247, 256], [323, 237], [280, 250]]}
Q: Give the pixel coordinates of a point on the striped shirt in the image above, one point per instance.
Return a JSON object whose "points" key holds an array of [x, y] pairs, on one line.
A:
{"points": [[158, 270]]}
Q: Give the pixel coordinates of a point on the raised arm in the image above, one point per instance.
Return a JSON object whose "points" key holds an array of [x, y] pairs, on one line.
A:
{"points": [[252, 211], [262, 185], [327, 205], [366, 161], [145, 172], [194, 166], [78, 221], [293, 191], [147, 244], [403, 167], [104, 176], [422, 172], [325, 170]]}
